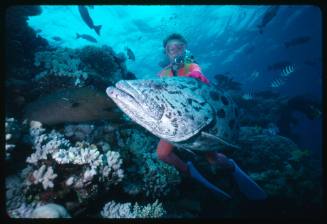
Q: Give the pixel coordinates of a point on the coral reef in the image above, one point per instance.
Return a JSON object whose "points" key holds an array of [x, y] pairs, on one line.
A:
{"points": [[64, 168], [104, 63], [61, 62], [78, 132], [25, 210], [145, 174], [91, 65], [159, 178], [278, 165], [127, 210], [13, 133], [43, 176], [17, 206]]}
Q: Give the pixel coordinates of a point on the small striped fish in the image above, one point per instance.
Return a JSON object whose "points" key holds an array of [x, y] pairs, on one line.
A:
{"points": [[248, 95], [289, 69], [278, 82]]}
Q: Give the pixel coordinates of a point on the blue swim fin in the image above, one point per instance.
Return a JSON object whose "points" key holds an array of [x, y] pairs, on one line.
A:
{"points": [[197, 176], [246, 185]]}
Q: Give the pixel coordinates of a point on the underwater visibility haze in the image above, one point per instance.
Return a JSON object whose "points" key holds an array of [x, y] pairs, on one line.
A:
{"points": [[163, 111]]}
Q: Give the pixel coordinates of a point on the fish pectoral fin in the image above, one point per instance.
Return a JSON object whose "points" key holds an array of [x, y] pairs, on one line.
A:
{"points": [[216, 138]]}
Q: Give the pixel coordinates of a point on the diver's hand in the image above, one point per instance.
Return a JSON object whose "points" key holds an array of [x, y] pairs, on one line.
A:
{"points": [[198, 75]]}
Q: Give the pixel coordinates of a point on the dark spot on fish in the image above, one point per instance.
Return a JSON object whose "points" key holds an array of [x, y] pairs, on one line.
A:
{"points": [[183, 105], [179, 113], [168, 115], [224, 100], [171, 105], [231, 123], [197, 108], [190, 116], [203, 103], [214, 95], [174, 92], [221, 113], [189, 101], [186, 110], [157, 97], [157, 86], [206, 118], [190, 82], [181, 86], [174, 122], [75, 104]]}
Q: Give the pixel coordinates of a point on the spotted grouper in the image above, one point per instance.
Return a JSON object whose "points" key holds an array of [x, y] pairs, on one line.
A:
{"points": [[184, 111]]}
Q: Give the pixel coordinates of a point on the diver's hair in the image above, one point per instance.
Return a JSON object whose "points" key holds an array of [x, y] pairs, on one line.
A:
{"points": [[174, 36]]}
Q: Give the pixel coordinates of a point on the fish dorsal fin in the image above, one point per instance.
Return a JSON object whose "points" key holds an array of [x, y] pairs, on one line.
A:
{"points": [[216, 138]]}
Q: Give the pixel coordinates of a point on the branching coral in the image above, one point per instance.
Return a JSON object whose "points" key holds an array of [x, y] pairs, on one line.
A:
{"points": [[127, 210], [43, 176], [81, 167]]}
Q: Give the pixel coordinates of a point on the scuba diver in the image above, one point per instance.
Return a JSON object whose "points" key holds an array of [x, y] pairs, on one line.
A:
{"points": [[182, 63]]}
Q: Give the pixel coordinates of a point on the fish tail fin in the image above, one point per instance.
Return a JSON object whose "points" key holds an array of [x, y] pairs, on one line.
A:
{"points": [[77, 36], [97, 29]]}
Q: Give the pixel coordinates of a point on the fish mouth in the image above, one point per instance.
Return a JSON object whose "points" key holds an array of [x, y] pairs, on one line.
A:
{"points": [[130, 102]]}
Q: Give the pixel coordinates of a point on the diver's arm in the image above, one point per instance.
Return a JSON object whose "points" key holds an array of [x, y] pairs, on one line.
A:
{"points": [[195, 72]]}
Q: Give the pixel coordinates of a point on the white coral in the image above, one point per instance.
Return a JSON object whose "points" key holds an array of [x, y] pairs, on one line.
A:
{"points": [[44, 176], [117, 210], [88, 175], [127, 210], [112, 169]]}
